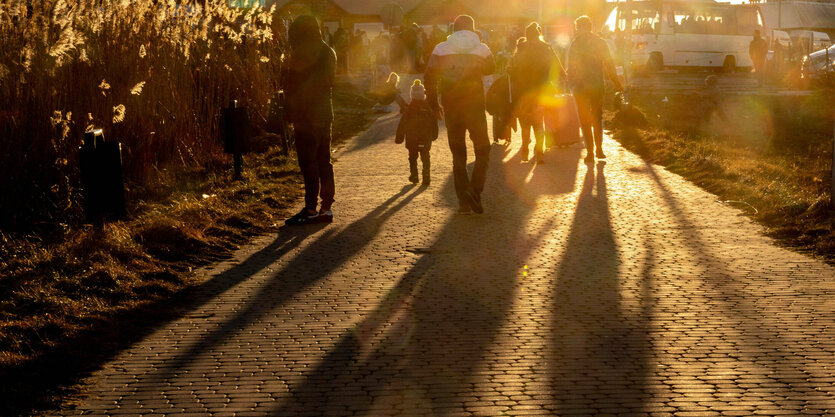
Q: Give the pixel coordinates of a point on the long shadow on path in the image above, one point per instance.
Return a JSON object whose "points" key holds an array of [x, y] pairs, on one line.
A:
{"points": [[430, 346], [322, 257], [765, 359], [68, 364], [599, 352]]}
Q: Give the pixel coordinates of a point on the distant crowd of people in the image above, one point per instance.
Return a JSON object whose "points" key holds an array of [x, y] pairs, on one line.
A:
{"points": [[453, 90], [403, 49]]}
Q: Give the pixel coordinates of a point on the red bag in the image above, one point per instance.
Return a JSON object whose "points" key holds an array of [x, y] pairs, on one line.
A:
{"points": [[562, 125]]}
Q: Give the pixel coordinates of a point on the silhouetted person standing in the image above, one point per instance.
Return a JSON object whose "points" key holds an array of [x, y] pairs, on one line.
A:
{"points": [[589, 62], [342, 43], [455, 72], [531, 70], [309, 85], [758, 51]]}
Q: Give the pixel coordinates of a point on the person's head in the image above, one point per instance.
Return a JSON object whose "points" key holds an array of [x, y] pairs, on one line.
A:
{"points": [[418, 92], [303, 31], [463, 22], [393, 79], [533, 31], [757, 33], [583, 24]]}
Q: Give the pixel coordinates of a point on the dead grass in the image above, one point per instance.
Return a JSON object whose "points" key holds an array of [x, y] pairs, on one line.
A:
{"points": [[769, 156]]}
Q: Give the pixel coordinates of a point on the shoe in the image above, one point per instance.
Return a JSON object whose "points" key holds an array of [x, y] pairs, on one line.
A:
{"points": [[301, 218], [425, 182], [474, 201], [589, 159], [600, 154], [413, 179], [463, 208], [325, 216]]}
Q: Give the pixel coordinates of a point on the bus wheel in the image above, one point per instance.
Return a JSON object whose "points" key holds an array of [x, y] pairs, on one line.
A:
{"points": [[729, 66], [655, 63]]}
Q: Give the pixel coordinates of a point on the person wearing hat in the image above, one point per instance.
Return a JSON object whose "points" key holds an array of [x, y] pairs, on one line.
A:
{"points": [[455, 73], [418, 127]]}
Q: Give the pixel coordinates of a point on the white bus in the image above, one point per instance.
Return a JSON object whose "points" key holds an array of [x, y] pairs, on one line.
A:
{"points": [[685, 33]]}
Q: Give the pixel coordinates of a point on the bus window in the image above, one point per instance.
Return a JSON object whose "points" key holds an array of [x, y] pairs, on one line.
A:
{"points": [[710, 21], [646, 20]]}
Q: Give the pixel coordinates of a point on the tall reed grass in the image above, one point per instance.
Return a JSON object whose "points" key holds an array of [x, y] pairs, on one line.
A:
{"points": [[153, 74]]}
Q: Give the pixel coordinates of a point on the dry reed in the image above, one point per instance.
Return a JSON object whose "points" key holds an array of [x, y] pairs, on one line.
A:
{"points": [[153, 74]]}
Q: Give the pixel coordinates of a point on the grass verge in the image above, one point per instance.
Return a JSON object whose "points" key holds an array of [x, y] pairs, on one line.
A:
{"points": [[768, 155], [70, 302]]}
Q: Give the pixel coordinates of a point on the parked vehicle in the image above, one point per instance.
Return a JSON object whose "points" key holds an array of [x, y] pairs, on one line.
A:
{"points": [[818, 66], [685, 33], [807, 41]]}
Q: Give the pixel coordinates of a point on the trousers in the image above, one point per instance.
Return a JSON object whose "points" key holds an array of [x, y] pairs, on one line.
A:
{"points": [[459, 121], [313, 146], [424, 158]]}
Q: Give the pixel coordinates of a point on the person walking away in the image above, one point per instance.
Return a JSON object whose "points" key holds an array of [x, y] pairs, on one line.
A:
{"points": [[533, 66], [418, 127], [589, 63], [758, 51], [309, 85], [341, 44], [455, 72]]}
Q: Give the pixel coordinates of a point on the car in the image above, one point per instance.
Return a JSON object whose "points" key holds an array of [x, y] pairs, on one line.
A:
{"points": [[818, 66]]}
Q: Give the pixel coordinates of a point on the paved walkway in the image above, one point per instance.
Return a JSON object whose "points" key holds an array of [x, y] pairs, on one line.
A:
{"points": [[612, 289]]}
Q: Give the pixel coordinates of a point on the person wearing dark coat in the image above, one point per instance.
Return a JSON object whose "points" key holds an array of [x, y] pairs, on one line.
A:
{"points": [[418, 127], [532, 68], [342, 44], [309, 80], [758, 51], [499, 105], [589, 64]]}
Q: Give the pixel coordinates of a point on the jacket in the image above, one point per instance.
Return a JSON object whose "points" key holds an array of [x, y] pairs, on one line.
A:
{"points": [[309, 84], [418, 126], [533, 67], [588, 57], [455, 72]]}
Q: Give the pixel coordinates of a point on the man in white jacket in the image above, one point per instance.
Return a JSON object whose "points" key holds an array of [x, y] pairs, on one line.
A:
{"points": [[455, 72]]}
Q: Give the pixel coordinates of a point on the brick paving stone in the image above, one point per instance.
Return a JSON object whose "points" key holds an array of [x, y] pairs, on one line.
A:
{"points": [[582, 290]]}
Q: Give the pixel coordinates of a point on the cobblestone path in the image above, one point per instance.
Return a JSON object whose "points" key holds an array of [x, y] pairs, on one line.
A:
{"points": [[613, 289]]}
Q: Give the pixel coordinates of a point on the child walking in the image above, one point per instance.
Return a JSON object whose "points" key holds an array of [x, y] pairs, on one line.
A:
{"points": [[418, 127]]}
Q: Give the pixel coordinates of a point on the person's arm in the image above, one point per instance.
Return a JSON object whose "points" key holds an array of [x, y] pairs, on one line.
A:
{"points": [[558, 74], [430, 78], [401, 130], [489, 62], [571, 67], [609, 66]]}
